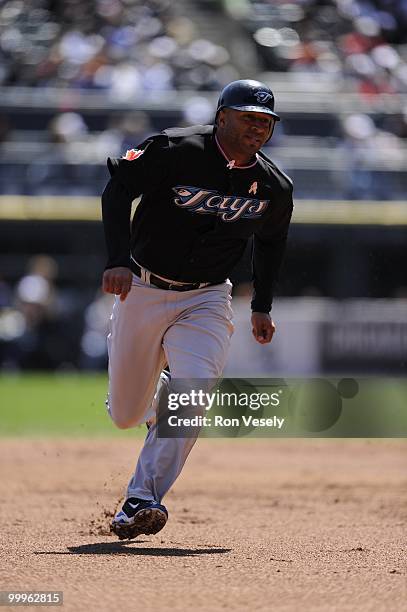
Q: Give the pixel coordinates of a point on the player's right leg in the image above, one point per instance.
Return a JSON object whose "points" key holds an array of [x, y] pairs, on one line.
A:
{"points": [[136, 356], [136, 359]]}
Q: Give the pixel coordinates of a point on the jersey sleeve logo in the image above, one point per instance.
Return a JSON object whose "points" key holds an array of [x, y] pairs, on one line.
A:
{"points": [[133, 154]]}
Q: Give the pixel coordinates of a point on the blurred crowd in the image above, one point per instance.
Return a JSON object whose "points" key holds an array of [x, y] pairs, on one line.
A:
{"points": [[362, 41], [125, 47], [132, 49]]}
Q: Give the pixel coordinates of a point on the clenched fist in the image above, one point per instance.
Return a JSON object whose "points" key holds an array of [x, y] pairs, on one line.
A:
{"points": [[263, 327], [118, 281]]}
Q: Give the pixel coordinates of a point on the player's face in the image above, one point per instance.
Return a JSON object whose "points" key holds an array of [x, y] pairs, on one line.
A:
{"points": [[246, 131]]}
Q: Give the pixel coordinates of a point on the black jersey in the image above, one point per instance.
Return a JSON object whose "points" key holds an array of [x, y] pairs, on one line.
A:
{"points": [[197, 211]]}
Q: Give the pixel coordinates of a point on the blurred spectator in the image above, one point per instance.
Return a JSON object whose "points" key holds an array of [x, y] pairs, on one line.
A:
{"points": [[359, 132], [67, 127], [133, 128], [93, 343], [34, 333], [368, 149], [198, 111]]}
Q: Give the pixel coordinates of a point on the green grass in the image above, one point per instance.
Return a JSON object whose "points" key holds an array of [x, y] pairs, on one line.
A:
{"points": [[57, 405], [72, 405]]}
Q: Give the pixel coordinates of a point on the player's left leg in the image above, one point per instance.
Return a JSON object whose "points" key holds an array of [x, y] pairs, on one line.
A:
{"points": [[196, 346]]}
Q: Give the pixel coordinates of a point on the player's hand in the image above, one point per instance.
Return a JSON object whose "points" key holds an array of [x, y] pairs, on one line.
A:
{"points": [[263, 327], [118, 281]]}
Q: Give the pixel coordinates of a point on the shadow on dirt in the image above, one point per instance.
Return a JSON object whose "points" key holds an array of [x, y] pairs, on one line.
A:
{"points": [[125, 548]]}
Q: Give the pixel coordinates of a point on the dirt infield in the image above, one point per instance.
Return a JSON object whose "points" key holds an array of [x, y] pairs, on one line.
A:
{"points": [[265, 525]]}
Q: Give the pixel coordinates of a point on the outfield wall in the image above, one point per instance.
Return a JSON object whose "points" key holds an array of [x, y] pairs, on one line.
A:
{"points": [[316, 335]]}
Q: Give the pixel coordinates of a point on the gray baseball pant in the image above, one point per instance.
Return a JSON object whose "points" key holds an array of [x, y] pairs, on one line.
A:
{"points": [[189, 330]]}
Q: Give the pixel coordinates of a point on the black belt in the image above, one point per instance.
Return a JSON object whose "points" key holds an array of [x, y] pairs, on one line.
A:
{"points": [[162, 284]]}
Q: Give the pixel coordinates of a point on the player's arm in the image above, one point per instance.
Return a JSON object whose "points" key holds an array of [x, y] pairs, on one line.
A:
{"points": [[116, 209], [268, 250], [131, 176]]}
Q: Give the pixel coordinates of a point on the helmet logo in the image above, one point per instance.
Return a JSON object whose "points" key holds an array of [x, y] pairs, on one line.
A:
{"points": [[263, 96]]}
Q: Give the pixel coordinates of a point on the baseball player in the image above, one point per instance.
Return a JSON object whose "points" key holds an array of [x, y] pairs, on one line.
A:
{"points": [[206, 190]]}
